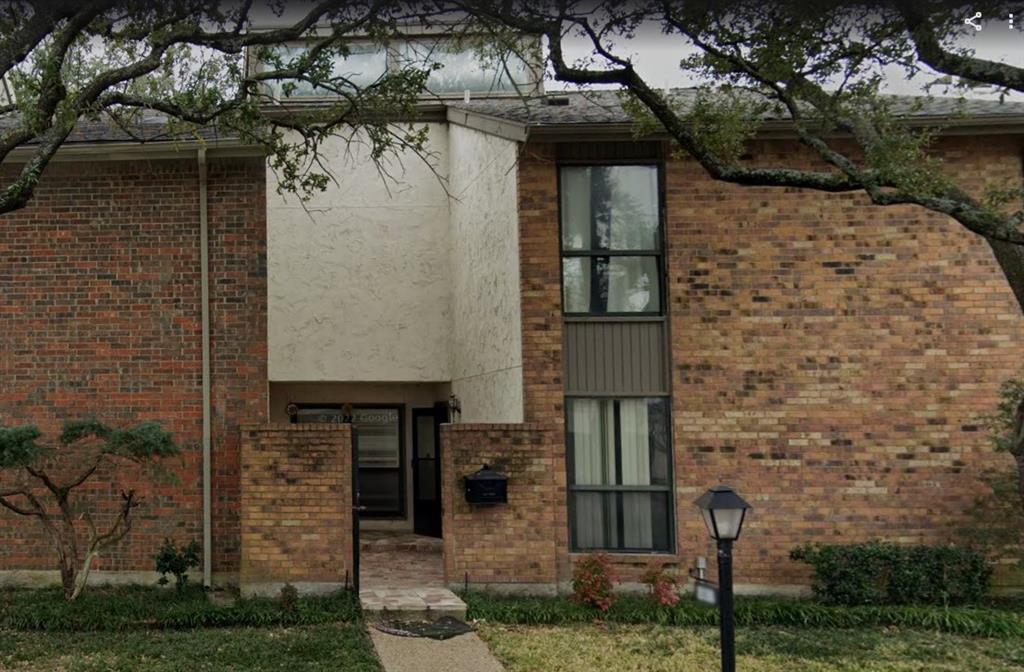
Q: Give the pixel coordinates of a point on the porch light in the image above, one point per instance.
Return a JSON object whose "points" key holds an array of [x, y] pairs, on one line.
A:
{"points": [[723, 511], [454, 408]]}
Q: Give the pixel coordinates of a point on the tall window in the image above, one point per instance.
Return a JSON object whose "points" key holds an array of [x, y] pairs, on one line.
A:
{"points": [[620, 474], [611, 240], [617, 408]]}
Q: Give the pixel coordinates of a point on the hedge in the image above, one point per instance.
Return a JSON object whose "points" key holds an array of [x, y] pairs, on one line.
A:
{"points": [[877, 573], [971, 621]]}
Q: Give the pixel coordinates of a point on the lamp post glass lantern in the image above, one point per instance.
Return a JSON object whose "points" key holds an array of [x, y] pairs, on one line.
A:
{"points": [[724, 511]]}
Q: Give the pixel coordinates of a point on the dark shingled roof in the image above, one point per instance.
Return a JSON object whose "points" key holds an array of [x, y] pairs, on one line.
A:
{"points": [[151, 128], [603, 107]]}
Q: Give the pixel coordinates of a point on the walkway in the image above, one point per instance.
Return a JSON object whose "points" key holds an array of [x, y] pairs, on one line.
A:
{"points": [[465, 653]]}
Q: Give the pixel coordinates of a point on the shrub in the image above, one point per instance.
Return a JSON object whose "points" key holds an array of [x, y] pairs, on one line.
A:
{"points": [[289, 598], [661, 586], [592, 581], [883, 573], [177, 561]]}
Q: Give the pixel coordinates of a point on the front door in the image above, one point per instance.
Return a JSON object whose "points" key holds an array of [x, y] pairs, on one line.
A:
{"points": [[426, 468]]}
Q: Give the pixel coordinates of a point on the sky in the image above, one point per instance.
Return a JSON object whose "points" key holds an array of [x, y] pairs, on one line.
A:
{"points": [[656, 56]]}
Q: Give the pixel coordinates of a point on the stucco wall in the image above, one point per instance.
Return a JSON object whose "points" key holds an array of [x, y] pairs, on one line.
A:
{"points": [[359, 286], [486, 357]]}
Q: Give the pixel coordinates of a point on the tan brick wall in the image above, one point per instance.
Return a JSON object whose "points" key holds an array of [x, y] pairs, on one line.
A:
{"points": [[831, 359], [296, 506], [502, 543]]}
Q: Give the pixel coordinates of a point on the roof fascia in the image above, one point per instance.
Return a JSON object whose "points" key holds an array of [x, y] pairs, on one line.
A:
{"points": [[126, 151]]}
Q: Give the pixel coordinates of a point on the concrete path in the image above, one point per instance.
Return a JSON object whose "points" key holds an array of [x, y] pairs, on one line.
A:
{"points": [[465, 653]]}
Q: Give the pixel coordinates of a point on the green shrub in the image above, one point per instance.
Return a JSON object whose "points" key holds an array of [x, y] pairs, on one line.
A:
{"points": [[176, 561], [968, 621], [878, 573]]}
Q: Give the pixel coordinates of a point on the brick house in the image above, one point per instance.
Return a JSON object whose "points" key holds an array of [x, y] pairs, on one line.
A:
{"points": [[616, 330]]}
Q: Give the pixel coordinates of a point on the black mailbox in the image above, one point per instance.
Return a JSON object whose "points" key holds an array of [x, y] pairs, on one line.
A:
{"points": [[486, 486]]}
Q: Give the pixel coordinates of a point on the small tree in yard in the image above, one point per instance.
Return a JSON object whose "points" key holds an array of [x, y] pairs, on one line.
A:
{"points": [[37, 480]]}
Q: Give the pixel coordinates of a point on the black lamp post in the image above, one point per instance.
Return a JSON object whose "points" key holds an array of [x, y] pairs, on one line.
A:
{"points": [[723, 512]]}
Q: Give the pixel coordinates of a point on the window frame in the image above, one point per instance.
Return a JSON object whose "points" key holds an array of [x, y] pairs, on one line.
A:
{"points": [[669, 488], [402, 513], [658, 254]]}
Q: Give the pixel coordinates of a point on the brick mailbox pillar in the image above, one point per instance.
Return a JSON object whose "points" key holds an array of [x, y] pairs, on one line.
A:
{"points": [[296, 508], [513, 546]]}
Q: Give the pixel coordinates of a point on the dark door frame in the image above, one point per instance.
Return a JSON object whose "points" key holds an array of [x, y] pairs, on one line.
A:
{"points": [[433, 526]]}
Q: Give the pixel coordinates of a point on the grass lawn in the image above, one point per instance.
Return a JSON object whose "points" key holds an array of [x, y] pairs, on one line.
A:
{"points": [[653, 648], [332, 647]]}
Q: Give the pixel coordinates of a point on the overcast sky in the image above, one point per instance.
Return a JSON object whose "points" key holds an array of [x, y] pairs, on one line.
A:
{"points": [[657, 56]]}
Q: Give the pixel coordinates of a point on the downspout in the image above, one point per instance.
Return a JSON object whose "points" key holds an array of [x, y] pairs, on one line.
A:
{"points": [[204, 262]]}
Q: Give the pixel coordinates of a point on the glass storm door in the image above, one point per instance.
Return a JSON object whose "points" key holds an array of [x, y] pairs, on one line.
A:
{"points": [[426, 469]]}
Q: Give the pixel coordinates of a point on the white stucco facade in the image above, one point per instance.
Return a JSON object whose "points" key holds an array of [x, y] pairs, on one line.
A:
{"points": [[358, 280], [414, 280], [487, 354]]}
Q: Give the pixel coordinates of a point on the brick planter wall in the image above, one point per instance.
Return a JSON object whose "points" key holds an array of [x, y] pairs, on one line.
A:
{"points": [[296, 507], [100, 315], [830, 359], [502, 544]]}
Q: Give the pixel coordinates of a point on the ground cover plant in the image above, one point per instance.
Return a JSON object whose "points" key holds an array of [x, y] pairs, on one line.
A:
{"points": [[149, 608], [311, 648], [1005, 620]]}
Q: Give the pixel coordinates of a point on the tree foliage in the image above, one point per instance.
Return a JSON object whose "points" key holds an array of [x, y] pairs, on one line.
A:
{"points": [[199, 63], [38, 479]]}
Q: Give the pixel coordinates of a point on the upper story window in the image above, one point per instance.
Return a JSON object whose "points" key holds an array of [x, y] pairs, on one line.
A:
{"points": [[611, 240], [461, 69]]}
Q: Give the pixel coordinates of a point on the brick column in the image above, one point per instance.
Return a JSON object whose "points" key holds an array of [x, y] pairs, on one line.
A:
{"points": [[503, 544], [296, 507]]}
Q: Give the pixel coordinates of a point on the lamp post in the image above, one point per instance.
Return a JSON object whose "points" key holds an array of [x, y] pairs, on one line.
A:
{"points": [[723, 511]]}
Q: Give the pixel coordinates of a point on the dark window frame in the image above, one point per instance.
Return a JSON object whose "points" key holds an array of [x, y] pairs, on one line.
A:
{"points": [[658, 254], [402, 513], [618, 489]]}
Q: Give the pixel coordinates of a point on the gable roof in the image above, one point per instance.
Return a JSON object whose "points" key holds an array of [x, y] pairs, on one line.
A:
{"points": [[602, 110]]}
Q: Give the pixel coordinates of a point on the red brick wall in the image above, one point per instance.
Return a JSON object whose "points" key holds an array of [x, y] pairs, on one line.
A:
{"points": [[100, 314], [831, 359], [503, 543], [296, 505]]}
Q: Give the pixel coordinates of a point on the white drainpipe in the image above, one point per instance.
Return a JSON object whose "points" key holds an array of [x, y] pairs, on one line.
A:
{"points": [[204, 262]]}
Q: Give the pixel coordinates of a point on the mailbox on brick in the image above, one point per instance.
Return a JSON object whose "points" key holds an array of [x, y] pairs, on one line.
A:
{"points": [[486, 486]]}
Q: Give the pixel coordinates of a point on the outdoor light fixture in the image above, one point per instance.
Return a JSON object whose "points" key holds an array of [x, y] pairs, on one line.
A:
{"points": [[454, 408], [723, 511]]}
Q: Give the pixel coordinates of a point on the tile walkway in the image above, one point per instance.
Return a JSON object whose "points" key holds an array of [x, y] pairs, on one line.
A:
{"points": [[412, 603], [400, 560]]}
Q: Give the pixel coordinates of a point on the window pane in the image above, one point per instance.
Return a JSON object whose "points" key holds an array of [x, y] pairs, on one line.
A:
{"points": [[378, 437], [379, 491], [610, 208], [643, 433], [591, 425], [365, 64], [463, 69], [610, 285], [643, 430], [634, 521]]}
